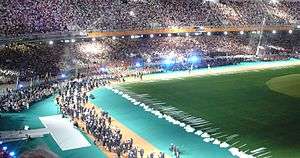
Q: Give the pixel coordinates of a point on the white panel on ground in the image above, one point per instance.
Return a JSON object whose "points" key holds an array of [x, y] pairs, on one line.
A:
{"points": [[64, 133]]}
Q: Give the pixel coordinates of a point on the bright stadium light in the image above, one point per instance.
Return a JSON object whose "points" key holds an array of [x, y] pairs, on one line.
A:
{"points": [[213, 1], [51, 42], [93, 48], [131, 13], [148, 60], [193, 59], [241, 32], [208, 33], [274, 31], [151, 36], [67, 41], [20, 86], [274, 1], [168, 61], [114, 37], [12, 154], [132, 37], [94, 39], [4, 148], [169, 35], [73, 40], [225, 33], [138, 64], [290, 31], [298, 26], [102, 69], [187, 34]]}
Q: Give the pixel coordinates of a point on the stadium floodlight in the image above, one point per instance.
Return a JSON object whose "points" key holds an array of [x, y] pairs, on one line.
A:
{"points": [[208, 33], [132, 37], [131, 13], [67, 41], [193, 59], [73, 40], [213, 1], [138, 64], [12, 154], [4, 148], [93, 39], [225, 33], [1, 142], [20, 86], [298, 26], [187, 34], [242, 32], [274, 1], [169, 35], [151, 36], [168, 62], [148, 60], [114, 37], [63, 75], [290, 31], [102, 69], [51, 42], [274, 31]]}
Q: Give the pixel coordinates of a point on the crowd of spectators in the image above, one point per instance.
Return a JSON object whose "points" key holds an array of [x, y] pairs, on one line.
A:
{"points": [[29, 17], [34, 61], [72, 100], [22, 98], [7, 75]]}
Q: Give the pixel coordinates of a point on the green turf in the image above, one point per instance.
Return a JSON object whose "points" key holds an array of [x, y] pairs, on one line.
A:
{"points": [[238, 103], [288, 84]]}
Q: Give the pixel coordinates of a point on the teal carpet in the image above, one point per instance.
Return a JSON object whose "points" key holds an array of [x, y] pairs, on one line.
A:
{"points": [[158, 132], [17, 121]]}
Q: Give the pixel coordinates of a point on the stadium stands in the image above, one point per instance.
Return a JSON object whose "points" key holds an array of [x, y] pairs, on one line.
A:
{"points": [[28, 17], [79, 41]]}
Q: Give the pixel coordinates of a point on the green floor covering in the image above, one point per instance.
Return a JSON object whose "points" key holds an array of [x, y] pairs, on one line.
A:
{"points": [[158, 132], [17, 121]]}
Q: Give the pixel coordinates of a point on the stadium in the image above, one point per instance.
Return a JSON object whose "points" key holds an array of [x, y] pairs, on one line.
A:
{"points": [[150, 79]]}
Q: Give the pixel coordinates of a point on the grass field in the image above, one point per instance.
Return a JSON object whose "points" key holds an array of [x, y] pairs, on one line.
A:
{"points": [[241, 104]]}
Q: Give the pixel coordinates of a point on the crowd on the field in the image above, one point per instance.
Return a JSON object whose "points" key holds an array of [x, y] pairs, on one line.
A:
{"points": [[72, 100], [23, 97], [27, 17]]}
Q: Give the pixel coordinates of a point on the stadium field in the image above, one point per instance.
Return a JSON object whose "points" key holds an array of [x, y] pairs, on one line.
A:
{"points": [[262, 107]]}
